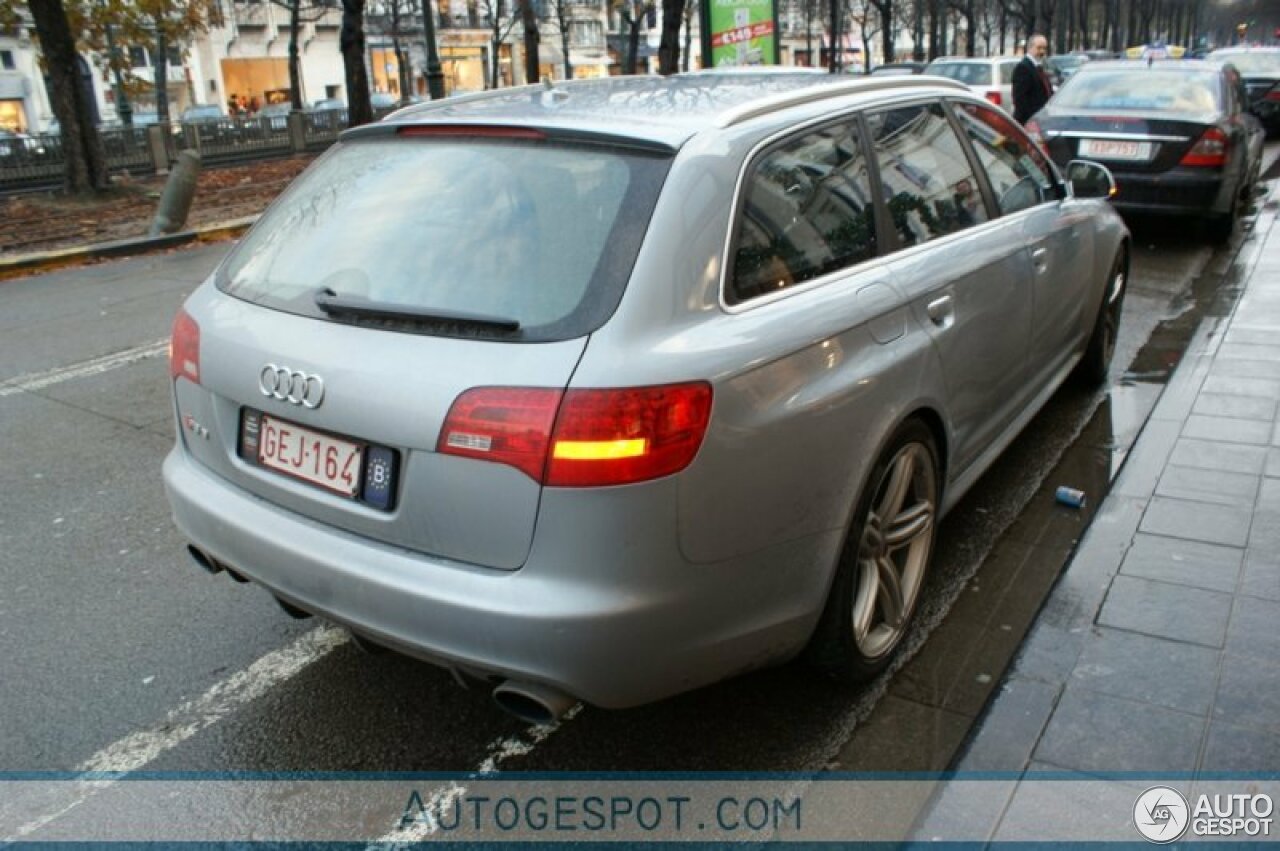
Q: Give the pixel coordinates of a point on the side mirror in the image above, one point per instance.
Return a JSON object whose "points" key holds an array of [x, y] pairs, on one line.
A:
{"points": [[1090, 179]]}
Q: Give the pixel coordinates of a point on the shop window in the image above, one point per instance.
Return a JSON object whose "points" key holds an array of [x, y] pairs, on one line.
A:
{"points": [[6, 60]]}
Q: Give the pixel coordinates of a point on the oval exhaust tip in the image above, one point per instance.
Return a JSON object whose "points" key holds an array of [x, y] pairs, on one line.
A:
{"points": [[202, 561], [532, 702]]}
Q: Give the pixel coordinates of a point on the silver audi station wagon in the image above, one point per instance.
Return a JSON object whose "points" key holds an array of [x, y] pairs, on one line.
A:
{"points": [[610, 389]]}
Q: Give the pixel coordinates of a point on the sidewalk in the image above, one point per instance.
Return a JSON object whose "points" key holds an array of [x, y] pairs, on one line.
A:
{"points": [[1159, 648]]}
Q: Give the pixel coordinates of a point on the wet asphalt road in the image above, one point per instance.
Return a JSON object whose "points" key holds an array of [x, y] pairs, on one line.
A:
{"points": [[107, 630]]}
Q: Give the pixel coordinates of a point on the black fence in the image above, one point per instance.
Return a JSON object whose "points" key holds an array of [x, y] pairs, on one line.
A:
{"points": [[29, 163]]}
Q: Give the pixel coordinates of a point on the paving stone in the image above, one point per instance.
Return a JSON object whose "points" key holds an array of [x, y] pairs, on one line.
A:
{"points": [[1197, 521], [1227, 429], [1182, 562], [1167, 611], [1243, 407], [1097, 732], [1249, 351], [1215, 486], [1237, 749], [1013, 723], [1211, 455], [1254, 629], [1261, 575], [1264, 370], [1249, 693], [1167, 673], [1272, 468], [1147, 459], [1221, 381], [903, 735]]}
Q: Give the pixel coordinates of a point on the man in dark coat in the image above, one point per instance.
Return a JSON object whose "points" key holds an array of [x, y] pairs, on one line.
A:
{"points": [[1031, 87]]}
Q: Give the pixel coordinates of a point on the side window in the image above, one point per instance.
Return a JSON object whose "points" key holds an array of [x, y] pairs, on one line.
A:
{"points": [[928, 185], [808, 211], [1016, 168]]}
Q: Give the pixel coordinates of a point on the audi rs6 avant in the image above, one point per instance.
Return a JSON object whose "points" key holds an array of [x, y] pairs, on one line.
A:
{"points": [[608, 390]]}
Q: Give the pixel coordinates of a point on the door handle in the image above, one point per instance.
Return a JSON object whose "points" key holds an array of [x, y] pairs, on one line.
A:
{"points": [[1039, 254], [941, 311]]}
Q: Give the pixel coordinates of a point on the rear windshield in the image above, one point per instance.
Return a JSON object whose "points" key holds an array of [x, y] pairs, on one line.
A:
{"points": [[1262, 63], [969, 73], [530, 232], [1141, 88]]}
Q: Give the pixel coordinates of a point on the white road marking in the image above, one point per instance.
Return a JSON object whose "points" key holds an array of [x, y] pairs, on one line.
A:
{"points": [[136, 750], [499, 751], [97, 366]]}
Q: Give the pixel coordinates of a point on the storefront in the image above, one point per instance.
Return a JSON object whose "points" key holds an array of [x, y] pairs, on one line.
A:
{"points": [[13, 107], [265, 79]]}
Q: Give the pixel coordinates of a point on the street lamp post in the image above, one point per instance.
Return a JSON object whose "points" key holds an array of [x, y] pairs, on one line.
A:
{"points": [[123, 108], [435, 74]]}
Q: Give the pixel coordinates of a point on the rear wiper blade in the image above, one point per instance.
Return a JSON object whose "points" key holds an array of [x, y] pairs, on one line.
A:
{"points": [[334, 304]]}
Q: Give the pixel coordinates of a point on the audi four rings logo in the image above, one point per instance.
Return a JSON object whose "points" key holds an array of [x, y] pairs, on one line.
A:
{"points": [[290, 385]]}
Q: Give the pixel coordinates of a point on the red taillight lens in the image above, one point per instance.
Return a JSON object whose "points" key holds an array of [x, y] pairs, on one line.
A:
{"points": [[994, 97], [184, 348], [613, 437], [597, 438], [1273, 95], [508, 425], [1210, 150]]}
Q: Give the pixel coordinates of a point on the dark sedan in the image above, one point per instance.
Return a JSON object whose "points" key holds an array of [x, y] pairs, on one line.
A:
{"points": [[1260, 68], [1175, 135]]}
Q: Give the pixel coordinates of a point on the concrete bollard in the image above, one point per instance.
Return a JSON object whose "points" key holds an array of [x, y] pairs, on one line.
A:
{"points": [[179, 191]]}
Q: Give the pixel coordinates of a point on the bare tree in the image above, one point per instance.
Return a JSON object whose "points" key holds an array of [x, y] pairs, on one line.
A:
{"points": [[529, 21], [634, 14], [394, 19], [351, 42], [300, 12], [669, 46], [864, 14], [562, 13], [500, 26], [86, 169], [969, 12]]}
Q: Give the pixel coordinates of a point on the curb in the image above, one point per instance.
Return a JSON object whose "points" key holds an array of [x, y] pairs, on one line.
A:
{"points": [[41, 261]]}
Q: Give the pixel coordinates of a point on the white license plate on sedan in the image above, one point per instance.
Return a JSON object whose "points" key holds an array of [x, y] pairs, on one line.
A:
{"points": [[320, 459], [1115, 149]]}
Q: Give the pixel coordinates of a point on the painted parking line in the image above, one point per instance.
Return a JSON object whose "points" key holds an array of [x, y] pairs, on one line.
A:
{"points": [[138, 749], [97, 366]]}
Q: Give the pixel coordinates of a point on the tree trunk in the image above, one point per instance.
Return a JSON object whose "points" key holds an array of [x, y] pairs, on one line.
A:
{"points": [[529, 20], [688, 36], [86, 168], [917, 31], [161, 66], [351, 42], [564, 42], [669, 46], [295, 71], [633, 45]]}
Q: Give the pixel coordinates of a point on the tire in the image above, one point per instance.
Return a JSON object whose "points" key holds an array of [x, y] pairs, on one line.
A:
{"points": [[1219, 228], [1093, 367], [865, 618]]}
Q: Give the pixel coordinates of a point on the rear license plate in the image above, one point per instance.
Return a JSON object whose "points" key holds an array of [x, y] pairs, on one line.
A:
{"points": [[321, 459], [1112, 149]]}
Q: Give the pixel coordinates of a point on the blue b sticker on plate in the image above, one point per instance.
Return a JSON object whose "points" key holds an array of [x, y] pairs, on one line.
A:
{"points": [[379, 477]]}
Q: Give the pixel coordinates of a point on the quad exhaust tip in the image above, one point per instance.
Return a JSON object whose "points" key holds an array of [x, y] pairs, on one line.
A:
{"points": [[533, 702], [202, 560]]}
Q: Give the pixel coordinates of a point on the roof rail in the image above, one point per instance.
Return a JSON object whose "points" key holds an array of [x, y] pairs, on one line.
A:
{"points": [[799, 97]]}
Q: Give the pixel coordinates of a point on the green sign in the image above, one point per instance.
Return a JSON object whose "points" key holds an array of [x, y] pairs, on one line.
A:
{"points": [[739, 32]]}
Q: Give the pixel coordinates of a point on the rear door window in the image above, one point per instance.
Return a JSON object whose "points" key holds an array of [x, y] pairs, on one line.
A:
{"points": [[929, 187], [1017, 171], [807, 210], [533, 232]]}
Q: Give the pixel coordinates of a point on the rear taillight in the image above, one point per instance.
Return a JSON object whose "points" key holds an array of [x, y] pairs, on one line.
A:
{"points": [[1273, 95], [184, 348], [1210, 150], [994, 97], [581, 438], [507, 425]]}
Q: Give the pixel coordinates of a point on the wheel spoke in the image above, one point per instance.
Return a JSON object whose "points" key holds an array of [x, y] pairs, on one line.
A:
{"points": [[891, 603], [895, 492], [909, 525], [864, 604]]}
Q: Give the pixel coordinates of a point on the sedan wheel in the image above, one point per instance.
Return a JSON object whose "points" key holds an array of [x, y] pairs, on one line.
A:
{"points": [[885, 560]]}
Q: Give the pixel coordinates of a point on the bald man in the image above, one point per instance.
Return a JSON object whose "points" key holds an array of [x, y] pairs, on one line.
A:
{"points": [[1031, 87]]}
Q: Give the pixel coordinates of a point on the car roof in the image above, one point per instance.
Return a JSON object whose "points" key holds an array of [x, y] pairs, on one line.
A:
{"points": [[1245, 48], [976, 59], [665, 111], [1153, 65]]}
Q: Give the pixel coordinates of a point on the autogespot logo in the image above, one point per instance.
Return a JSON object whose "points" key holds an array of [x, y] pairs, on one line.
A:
{"points": [[1161, 814]]}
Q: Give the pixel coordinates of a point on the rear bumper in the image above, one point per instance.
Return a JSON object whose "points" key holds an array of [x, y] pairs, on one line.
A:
{"points": [[1177, 192], [615, 627]]}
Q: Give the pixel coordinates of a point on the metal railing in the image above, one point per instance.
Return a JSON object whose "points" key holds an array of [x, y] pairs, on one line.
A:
{"points": [[30, 163]]}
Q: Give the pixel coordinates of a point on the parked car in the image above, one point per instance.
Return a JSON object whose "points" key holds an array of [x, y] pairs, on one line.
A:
{"points": [[203, 114], [1174, 133], [275, 116], [1260, 68], [1063, 65], [384, 100], [895, 69], [18, 148], [668, 379], [990, 77], [327, 113]]}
